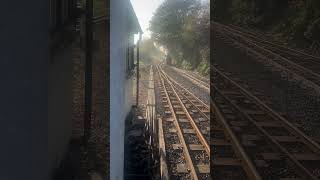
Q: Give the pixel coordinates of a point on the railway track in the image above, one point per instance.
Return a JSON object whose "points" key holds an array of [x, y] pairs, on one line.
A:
{"points": [[269, 147], [305, 60], [276, 46], [229, 160], [251, 141], [202, 82], [186, 131], [295, 64], [305, 122], [273, 146]]}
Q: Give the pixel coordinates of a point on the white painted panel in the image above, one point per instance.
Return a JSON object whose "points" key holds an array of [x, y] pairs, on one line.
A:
{"points": [[117, 87]]}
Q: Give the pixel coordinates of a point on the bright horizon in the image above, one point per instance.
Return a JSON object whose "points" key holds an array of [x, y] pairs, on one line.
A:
{"points": [[144, 10]]}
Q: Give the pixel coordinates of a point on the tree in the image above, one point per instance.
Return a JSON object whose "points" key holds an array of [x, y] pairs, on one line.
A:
{"points": [[294, 21], [182, 26]]}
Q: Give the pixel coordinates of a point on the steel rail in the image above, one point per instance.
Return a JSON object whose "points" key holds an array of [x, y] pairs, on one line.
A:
{"points": [[180, 134], [194, 125], [308, 80], [271, 112], [301, 60], [207, 86], [285, 48], [174, 83], [269, 136], [297, 58], [274, 54], [204, 84], [184, 89], [246, 162], [194, 75], [255, 35], [204, 79], [290, 62], [192, 103]]}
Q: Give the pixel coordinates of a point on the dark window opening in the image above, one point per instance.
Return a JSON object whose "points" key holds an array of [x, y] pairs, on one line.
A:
{"points": [[130, 66]]}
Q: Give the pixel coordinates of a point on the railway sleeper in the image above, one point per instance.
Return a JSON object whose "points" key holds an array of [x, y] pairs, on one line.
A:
{"points": [[182, 168], [269, 124], [196, 147], [203, 168], [271, 156], [307, 157], [226, 162], [183, 120], [219, 142], [286, 138], [189, 131]]}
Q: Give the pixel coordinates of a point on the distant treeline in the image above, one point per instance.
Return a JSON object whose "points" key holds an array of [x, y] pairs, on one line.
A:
{"points": [[294, 21], [183, 28]]}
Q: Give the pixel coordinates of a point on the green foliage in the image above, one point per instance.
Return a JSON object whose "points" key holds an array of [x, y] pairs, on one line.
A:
{"points": [[183, 27], [204, 68], [186, 65], [242, 13], [296, 21]]}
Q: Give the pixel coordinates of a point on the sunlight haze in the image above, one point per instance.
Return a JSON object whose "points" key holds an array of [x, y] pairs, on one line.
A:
{"points": [[144, 10]]}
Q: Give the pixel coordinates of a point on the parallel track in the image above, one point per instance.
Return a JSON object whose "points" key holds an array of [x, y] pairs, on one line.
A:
{"points": [[202, 82], [250, 140], [271, 141], [309, 62], [183, 136], [299, 66], [273, 103], [229, 159], [266, 144], [276, 46]]}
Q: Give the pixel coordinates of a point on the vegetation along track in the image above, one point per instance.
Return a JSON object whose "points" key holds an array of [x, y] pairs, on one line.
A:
{"points": [[275, 147], [295, 64], [186, 129]]}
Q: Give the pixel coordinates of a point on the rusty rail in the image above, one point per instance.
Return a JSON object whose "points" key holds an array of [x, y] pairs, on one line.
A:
{"points": [[273, 120], [179, 131]]}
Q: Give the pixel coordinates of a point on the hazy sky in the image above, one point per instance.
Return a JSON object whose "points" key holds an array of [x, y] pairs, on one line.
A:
{"points": [[144, 10]]}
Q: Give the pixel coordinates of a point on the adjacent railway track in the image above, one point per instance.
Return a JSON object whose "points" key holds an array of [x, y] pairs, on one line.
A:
{"points": [[229, 160], [249, 140], [186, 131], [202, 82], [306, 61], [271, 144], [284, 106], [295, 64], [276, 46]]}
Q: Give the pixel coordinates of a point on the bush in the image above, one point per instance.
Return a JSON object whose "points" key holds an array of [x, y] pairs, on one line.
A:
{"points": [[203, 68]]}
